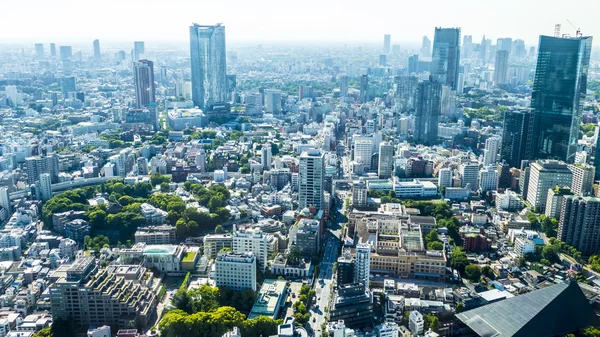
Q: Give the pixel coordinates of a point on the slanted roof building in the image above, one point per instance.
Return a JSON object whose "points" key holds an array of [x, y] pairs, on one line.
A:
{"points": [[553, 311]]}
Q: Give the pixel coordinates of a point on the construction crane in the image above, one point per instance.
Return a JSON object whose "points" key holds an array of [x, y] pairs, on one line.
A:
{"points": [[577, 30]]}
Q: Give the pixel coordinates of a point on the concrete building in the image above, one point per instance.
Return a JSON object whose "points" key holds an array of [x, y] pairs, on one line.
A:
{"points": [[270, 299], [414, 189], [362, 263], [501, 67], [265, 156], [272, 100], [445, 177], [236, 271], [554, 201], [214, 243], [385, 168], [153, 215], [155, 235], [492, 146], [523, 246], [583, 179], [5, 200], [353, 304], [119, 295], [311, 176], [488, 179], [251, 240], [544, 175], [45, 184], [579, 223], [469, 175], [363, 151], [345, 269], [359, 195], [180, 119], [416, 323], [102, 331]]}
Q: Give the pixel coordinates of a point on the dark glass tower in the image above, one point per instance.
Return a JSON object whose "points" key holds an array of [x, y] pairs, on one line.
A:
{"points": [[445, 59], [517, 130], [559, 86], [428, 110]]}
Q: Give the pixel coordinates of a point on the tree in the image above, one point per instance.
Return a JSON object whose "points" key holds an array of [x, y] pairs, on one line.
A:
{"points": [[294, 256], [460, 307], [473, 273], [488, 272], [46, 332], [62, 327], [164, 187], [550, 253], [590, 331], [458, 259], [436, 245], [219, 229], [431, 322], [432, 236], [157, 179]]}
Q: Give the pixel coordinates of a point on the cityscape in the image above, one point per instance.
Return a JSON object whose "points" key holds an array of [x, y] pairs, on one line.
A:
{"points": [[444, 186]]}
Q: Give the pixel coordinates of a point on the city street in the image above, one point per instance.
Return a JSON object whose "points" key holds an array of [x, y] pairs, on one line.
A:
{"points": [[323, 289]]}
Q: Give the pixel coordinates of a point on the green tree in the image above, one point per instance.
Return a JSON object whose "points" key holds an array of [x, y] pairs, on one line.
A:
{"points": [[62, 327], [432, 236], [488, 272], [550, 253], [458, 259], [294, 256], [435, 245], [473, 273], [219, 229], [431, 322], [46, 332], [261, 326]]}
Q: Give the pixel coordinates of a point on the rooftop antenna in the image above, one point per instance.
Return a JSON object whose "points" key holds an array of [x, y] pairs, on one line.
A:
{"points": [[557, 30], [577, 30]]}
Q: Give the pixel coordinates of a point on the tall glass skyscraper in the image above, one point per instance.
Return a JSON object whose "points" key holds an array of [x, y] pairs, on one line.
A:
{"points": [[516, 130], [559, 86], [428, 105], [445, 59], [209, 72]]}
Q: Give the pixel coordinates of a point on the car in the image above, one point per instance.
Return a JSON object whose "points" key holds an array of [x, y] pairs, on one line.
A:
{"points": [[314, 319], [293, 295], [318, 298]]}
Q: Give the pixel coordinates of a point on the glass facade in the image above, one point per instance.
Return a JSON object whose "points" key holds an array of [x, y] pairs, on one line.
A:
{"points": [[428, 104], [517, 127], [559, 85], [208, 58], [445, 59]]}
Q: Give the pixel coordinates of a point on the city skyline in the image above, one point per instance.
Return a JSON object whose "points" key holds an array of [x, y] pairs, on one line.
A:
{"points": [[59, 22]]}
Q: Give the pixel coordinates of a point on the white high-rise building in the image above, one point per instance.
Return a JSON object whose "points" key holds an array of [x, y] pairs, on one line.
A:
{"points": [[416, 323], [311, 174], [386, 160], [445, 177], [362, 264], [5, 199], [265, 156], [583, 179], [363, 151], [543, 175], [251, 240], [488, 179], [272, 100], [236, 271], [469, 175], [492, 146], [45, 186]]}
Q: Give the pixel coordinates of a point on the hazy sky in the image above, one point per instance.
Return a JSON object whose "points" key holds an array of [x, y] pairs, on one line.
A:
{"points": [[280, 20]]}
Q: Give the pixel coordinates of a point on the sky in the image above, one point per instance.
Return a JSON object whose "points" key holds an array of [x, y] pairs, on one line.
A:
{"points": [[264, 21]]}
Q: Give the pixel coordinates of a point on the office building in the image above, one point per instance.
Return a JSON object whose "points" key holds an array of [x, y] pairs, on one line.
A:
{"points": [[208, 58], [413, 64], [272, 100], [5, 200], [579, 223], [353, 304], [501, 67], [68, 85], [445, 177], [270, 299], [583, 179], [119, 295], [139, 47], [155, 235], [559, 87], [382, 60], [181, 119], [517, 128], [53, 50], [143, 74], [385, 167], [426, 47], [311, 176], [45, 186], [543, 175], [364, 89], [344, 86], [39, 51], [97, 54], [236, 271], [445, 60], [363, 151], [387, 41], [490, 155], [359, 195], [488, 179], [504, 175], [428, 103], [345, 269], [251, 240], [554, 201], [469, 175], [362, 263], [213, 243], [265, 156], [66, 53]]}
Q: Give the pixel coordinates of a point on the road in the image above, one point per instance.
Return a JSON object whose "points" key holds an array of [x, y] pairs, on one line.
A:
{"points": [[323, 289]]}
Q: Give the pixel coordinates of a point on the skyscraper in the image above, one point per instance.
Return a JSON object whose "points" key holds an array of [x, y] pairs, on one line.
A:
{"points": [[39, 51], [559, 85], [501, 67], [97, 54], [445, 60], [413, 64], [311, 175], [139, 47], [382, 60], [428, 105], [467, 47], [45, 186], [66, 53], [579, 222], [490, 155], [68, 84], [143, 75], [208, 57], [265, 156], [5, 199], [53, 50], [364, 89], [385, 167], [362, 263], [387, 39], [344, 86], [516, 131], [426, 47]]}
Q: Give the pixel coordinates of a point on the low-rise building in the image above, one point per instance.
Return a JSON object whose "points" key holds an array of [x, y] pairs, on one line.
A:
{"points": [[155, 235], [270, 299], [213, 243], [236, 271], [153, 215]]}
